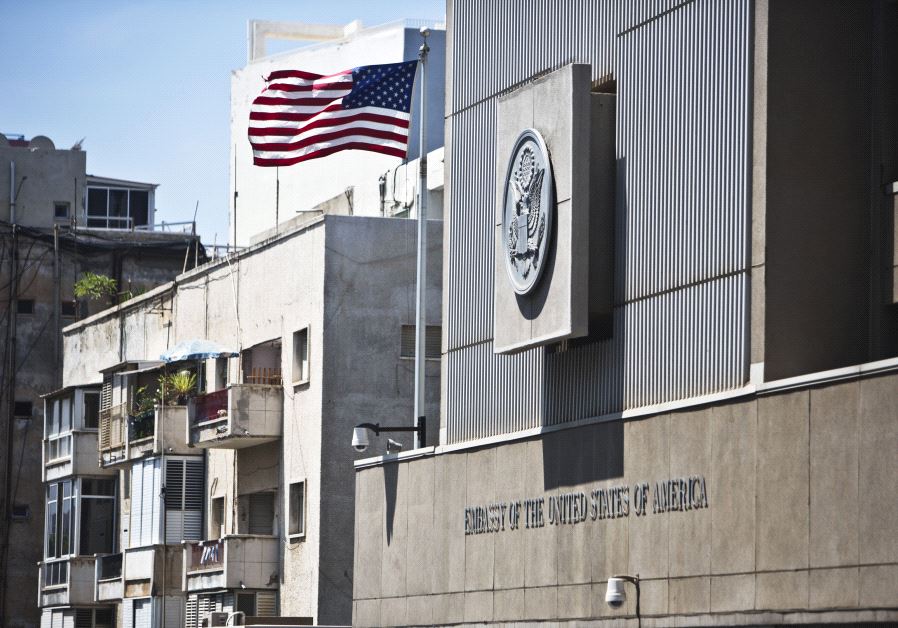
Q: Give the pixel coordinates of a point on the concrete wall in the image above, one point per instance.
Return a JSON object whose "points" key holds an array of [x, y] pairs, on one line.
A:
{"points": [[799, 522], [369, 295], [351, 282], [308, 184], [52, 175]]}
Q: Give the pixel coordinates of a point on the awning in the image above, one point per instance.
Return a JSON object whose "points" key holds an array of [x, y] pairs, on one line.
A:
{"points": [[197, 350], [143, 367]]}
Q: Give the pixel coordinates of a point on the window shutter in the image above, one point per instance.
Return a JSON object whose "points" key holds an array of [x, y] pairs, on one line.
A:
{"points": [[261, 513], [191, 620], [194, 496], [128, 610], [174, 607], [174, 501], [106, 393], [136, 505], [143, 613], [184, 493], [266, 604], [84, 618]]}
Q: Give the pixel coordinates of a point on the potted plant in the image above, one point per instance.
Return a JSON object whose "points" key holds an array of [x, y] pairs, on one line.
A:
{"points": [[182, 384]]}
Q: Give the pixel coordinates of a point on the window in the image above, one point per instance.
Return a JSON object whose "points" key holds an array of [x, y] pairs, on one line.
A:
{"points": [[58, 428], [60, 210], [257, 513], [21, 512], [59, 521], [23, 410], [184, 498], [91, 410], [301, 356], [117, 208], [297, 509], [25, 306], [432, 339], [217, 518], [69, 309], [246, 603], [97, 516]]}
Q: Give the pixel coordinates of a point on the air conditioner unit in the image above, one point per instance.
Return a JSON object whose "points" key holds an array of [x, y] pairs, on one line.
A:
{"points": [[218, 619]]}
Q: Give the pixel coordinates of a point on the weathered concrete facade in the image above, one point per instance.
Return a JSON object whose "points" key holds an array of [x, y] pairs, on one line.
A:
{"points": [[52, 248], [350, 283]]}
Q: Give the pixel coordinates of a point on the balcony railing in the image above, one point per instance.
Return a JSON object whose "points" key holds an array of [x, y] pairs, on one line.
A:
{"points": [[206, 556], [231, 562], [242, 415], [65, 581], [210, 406], [125, 436], [264, 375]]}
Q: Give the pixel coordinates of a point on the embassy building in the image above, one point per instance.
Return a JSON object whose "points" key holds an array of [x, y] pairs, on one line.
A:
{"points": [[670, 344]]}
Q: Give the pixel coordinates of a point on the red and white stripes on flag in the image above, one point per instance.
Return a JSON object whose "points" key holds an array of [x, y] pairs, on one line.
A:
{"points": [[301, 115]]}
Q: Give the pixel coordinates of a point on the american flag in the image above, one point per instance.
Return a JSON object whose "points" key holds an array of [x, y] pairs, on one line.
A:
{"points": [[301, 116]]}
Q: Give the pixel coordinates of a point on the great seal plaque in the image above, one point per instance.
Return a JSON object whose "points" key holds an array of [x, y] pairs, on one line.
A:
{"points": [[528, 203]]}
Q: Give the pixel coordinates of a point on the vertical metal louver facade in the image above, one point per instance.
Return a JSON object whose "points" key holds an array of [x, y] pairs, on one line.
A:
{"points": [[682, 215]]}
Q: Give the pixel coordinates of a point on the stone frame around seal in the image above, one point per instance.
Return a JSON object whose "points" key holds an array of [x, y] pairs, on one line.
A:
{"points": [[547, 203]]}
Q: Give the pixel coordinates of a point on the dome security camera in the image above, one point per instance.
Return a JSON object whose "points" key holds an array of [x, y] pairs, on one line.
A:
{"points": [[425, 32], [615, 594], [360, 439]]}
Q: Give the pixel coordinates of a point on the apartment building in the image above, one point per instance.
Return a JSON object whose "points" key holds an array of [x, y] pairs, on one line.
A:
{"points": [[56, 223], [670, 336], [238, 495]]}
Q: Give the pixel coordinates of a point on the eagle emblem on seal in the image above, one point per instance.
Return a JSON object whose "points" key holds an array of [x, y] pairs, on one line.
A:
{"points": [[528, 201]]}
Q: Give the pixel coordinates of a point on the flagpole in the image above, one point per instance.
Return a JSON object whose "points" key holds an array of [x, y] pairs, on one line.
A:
{"points": [[421, 289]]}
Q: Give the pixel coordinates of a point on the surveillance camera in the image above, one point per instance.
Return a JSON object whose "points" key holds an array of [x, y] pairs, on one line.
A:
{"points": [[615, 594], [393, 447], [360, 439], [425, 32]]}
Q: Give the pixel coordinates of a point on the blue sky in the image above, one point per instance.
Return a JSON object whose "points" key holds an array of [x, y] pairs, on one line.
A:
{"points": [[147, 83]]}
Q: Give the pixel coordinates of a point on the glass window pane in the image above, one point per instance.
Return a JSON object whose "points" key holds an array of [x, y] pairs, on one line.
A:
{"points": [[96, 203], [140, 201], [51, 521], [97, 530], [297, 499], [65, 415], [65, 529], [118, 205], [91, 409]]}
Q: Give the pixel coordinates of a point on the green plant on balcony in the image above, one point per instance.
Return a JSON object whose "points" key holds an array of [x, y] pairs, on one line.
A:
{"points": [[144, 400], [182, 384]]}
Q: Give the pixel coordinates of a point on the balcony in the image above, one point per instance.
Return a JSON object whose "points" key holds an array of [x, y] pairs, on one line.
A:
{"points": [[109, 584], [242, 415], [232, 562], [125, 437], [71, 454], [67, 581]]}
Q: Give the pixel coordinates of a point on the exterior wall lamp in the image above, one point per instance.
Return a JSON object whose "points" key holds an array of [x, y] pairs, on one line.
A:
{"points": [[360, 433]]}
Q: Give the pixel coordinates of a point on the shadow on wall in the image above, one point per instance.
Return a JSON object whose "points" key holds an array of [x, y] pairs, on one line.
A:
{"points": [[572, 457], [391, 481]]}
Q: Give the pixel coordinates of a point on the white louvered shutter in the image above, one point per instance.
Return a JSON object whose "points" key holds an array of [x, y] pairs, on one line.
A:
{"points": [[68, 619], [145, 507], [266, 604], [191, 608], [143, 613], [174, 612], [261, 513], [184, 491], [127, 613]]}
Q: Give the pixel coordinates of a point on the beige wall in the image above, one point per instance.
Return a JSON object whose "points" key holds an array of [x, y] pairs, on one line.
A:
{"points": [[802, 504]]}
